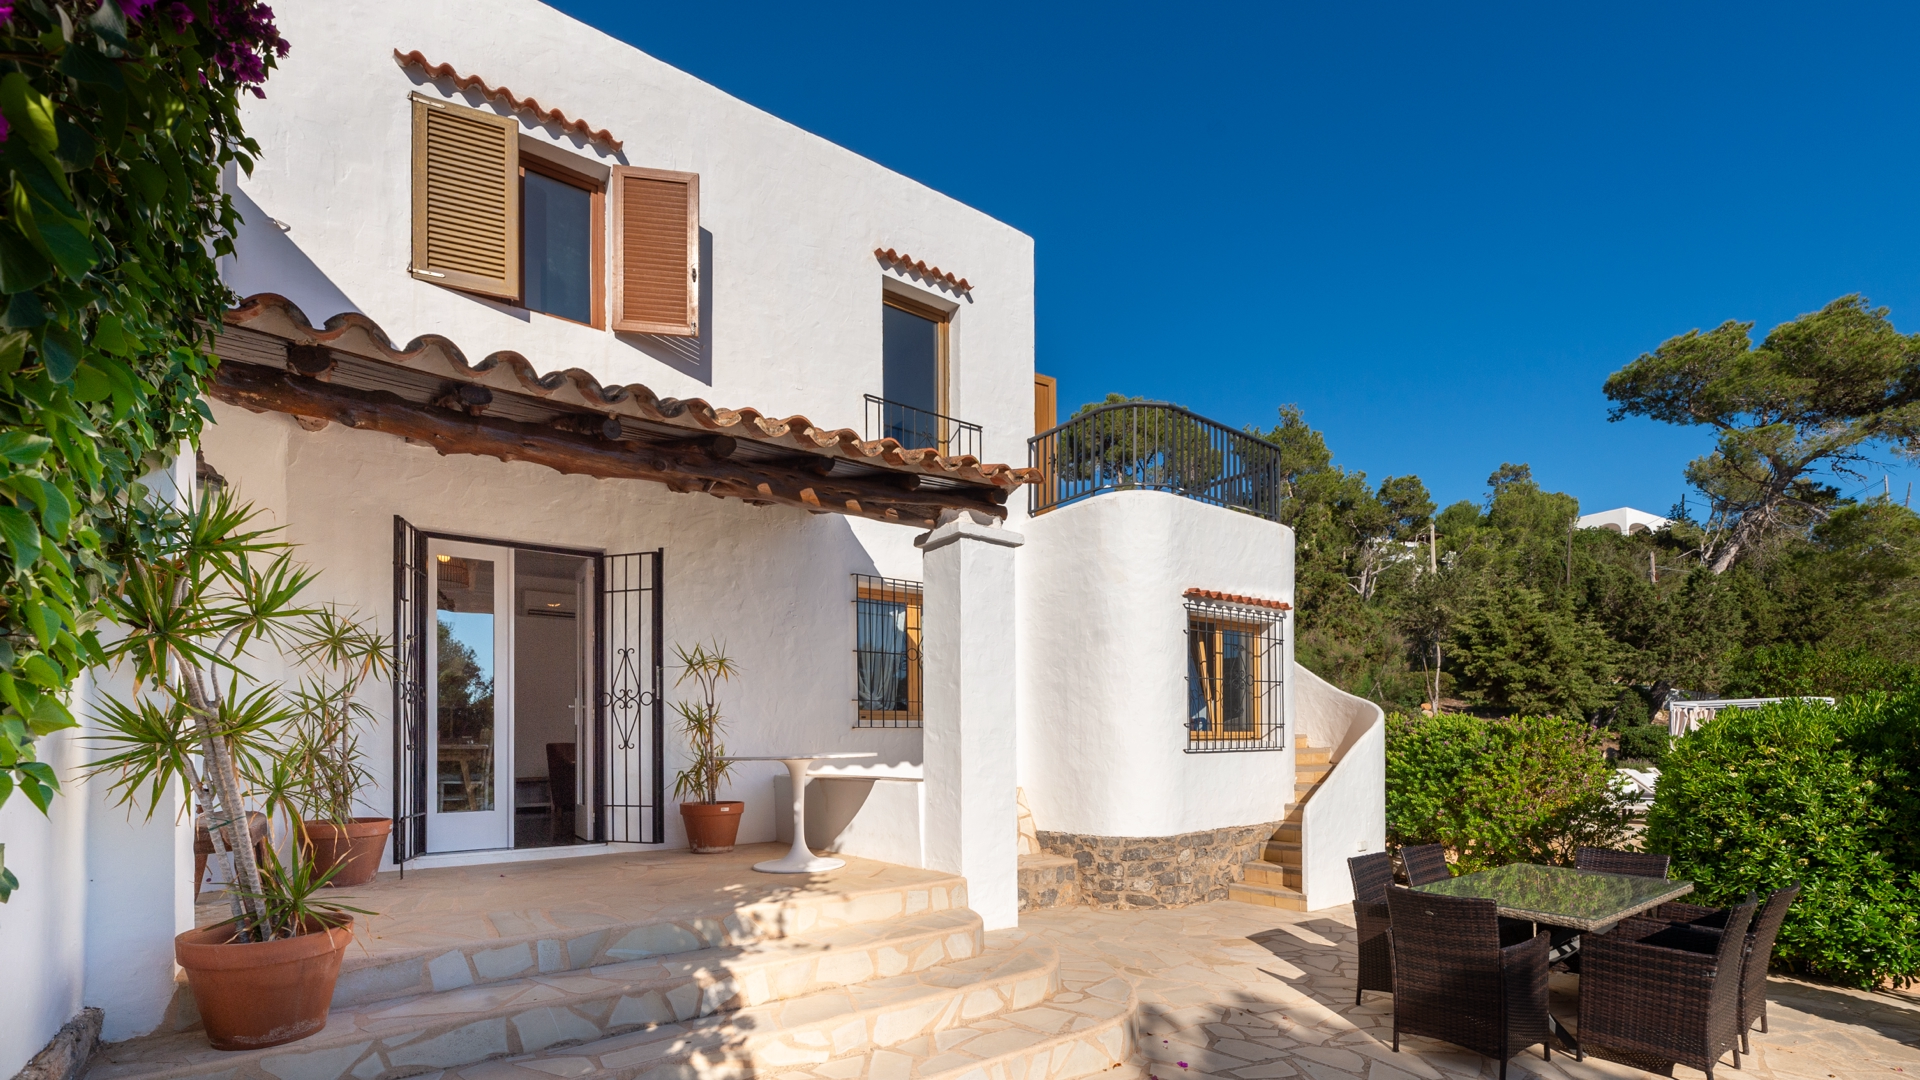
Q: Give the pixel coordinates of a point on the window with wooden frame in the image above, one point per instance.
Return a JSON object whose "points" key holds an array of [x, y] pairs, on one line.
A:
{"points": [[563, 254], [886, 652], [913, 371], [527, 229], [1234, 691]]}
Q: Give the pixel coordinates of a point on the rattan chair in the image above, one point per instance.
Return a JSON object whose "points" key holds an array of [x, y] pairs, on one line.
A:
{"points": [[1664, 992], [1458, 978], [1425, 863], [1631, 863], [1755, 958], [1372, 877]]}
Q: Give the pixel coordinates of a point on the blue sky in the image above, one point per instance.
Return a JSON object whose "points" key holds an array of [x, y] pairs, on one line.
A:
{"points": [[1436, 228]]}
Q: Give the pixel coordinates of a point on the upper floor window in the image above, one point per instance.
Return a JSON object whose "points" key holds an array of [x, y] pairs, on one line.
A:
{"points": [[913, 372], [489, 220], [1234, 656]]}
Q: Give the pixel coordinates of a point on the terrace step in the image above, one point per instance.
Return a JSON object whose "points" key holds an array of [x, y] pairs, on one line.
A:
{"points": [[1083, 1030], [716, 1006], [1047, 881], [1272, 875], [1267, 895], [384, 965], [1282, 854]]}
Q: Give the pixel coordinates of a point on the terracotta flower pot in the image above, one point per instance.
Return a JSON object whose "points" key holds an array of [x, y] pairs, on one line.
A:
{"points": [[262, 993], [711, 827], [354, 847]]}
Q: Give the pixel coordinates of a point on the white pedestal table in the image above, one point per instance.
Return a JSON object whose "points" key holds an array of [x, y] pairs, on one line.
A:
{"points": [[800, 860]]}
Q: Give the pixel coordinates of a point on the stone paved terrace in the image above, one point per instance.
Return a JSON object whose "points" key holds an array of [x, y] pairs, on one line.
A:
{"points": [[1239, 992]]}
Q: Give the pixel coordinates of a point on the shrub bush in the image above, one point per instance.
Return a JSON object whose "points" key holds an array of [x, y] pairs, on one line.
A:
{"points": [[1803, 791], [1644, 742], [1529, 789]]}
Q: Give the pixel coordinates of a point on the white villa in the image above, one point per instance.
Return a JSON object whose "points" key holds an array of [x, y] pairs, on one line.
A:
{"points": [[554, 353], [1624, 520]]}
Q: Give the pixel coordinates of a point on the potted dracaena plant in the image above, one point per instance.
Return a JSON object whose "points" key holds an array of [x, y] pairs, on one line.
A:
{"points": [[321, 751], [712, 824], [204, 591]]}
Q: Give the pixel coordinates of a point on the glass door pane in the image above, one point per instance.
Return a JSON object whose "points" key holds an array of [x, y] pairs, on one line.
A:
{"points": [[470, 717]]}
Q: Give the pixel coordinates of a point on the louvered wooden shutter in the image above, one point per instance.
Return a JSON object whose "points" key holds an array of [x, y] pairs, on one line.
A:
{"points": [[466, 198], [656, 252], [1046, 409]]}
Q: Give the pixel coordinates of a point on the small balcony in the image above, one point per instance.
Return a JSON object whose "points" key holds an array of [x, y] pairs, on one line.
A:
{"points": [[918, 429], [1154, 446]]}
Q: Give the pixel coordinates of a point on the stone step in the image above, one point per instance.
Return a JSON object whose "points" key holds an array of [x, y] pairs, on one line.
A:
{"points": [[1311, 774], [376, 969], [1267, 896], [1287, 833], [1303, 791], [1310, 755], [1083, 1029], [1282, 854], [1272, 875], [929, 958], [1048, 881]]}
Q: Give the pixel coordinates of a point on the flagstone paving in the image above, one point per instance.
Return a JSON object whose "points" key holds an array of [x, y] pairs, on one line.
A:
{"points": [[1236, 992]]}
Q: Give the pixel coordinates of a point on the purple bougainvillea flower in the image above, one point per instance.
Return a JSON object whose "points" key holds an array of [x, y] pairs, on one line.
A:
{"points": [[136, 9], [6, 10], [1182, 1064]]}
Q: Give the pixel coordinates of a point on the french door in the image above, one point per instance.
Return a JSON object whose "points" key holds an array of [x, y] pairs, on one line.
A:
{"points": [[455, 608], [469, 692]]}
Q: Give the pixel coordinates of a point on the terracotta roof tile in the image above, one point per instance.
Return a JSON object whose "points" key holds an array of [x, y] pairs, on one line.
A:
{"points": [[1235, 598], [356, 334], [513, 101], [900, 258]]}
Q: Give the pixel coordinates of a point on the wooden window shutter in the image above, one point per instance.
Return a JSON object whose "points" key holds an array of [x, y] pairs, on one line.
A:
{"points": [[1046, 406], [656, 252], [466, 198]]}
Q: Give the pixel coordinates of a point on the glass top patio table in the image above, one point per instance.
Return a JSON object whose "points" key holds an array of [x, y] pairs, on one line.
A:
{"points": [[1562, 896]]}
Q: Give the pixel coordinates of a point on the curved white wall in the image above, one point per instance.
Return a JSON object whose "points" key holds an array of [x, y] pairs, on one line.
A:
{"points": [[1103, 672], [1347, 815]]}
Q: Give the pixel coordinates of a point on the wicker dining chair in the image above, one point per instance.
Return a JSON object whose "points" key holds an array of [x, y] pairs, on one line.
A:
{"points": [[1631, 863], [1425, 863], [1664, 992], [1372, 877], [1463, 976], [1755, 958]]}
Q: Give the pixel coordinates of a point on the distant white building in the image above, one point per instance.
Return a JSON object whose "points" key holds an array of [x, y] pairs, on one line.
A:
{"points": [[1624, 520]]}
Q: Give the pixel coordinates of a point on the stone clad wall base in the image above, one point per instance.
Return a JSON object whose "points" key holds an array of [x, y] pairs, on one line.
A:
{"points": [[1120, 872]]}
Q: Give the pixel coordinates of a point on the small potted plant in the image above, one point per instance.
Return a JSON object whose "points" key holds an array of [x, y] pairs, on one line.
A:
{"points": [[202, 590], [323, 747], [712, 825]]}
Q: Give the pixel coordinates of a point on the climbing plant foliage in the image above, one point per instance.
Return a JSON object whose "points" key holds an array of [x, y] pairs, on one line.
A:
{"points": [[119, 120]]}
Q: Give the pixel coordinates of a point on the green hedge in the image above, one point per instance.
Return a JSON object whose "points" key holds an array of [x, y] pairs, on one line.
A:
{"points": [[1529, 789], [1823, 795], [1644, 742]]}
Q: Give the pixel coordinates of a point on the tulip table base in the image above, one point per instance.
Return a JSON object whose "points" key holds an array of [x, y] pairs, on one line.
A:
{"points": [[800, 860]]}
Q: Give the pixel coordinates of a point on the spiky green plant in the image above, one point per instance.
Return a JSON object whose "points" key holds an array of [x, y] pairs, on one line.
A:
{"points": [[701, 722]]}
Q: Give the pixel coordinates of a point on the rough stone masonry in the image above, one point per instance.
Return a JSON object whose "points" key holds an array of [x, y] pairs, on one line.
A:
{"points": [[1116, 873]]}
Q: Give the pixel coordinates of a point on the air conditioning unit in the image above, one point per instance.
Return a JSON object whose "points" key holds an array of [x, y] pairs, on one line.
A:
{"points": [[554, 605]]}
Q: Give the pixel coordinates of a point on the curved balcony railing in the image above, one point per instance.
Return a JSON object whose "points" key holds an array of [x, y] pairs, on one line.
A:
{"points": [[1154, 446]]}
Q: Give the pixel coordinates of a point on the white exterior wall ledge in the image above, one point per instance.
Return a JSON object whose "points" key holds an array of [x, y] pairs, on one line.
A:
{"points": [[968, 525]]}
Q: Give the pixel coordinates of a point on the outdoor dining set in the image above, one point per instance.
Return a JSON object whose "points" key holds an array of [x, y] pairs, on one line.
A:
{"points": [[1466, 958]]}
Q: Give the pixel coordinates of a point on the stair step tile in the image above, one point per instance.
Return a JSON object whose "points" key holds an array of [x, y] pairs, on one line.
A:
{"points": [[1267, 896], [1282, 854], [798, 978], [1272, 874]]}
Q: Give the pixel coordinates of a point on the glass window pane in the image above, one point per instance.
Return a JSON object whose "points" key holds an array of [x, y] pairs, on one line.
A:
{"points": [[464, 703], [882, 649], [910, 376], [558, 248]]}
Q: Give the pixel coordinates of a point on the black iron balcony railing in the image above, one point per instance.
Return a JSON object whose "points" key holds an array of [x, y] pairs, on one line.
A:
{"points": [[1154, 446], [918, 429]]}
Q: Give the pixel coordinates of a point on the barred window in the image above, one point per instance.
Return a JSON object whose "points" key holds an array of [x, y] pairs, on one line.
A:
{"points": [[1234, 658], [886, 652]]}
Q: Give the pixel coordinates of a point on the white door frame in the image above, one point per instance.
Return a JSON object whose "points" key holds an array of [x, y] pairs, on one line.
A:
{"points": [[475, 829]]}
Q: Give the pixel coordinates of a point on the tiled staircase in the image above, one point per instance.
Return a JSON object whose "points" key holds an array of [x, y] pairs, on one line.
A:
{"points": [[1274, 880], [895, 983]]}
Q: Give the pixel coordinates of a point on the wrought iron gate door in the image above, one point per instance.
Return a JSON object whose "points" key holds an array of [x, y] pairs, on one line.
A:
{"points": [[410, 607], [630, 709]]}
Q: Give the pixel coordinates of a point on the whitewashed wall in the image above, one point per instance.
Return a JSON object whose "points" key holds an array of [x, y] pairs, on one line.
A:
{"points": [[772, 584], [794, 220], [1103, 671]]}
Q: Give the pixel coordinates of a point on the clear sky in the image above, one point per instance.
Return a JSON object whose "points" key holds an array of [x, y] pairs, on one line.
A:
{"points": [[1436, 228]]}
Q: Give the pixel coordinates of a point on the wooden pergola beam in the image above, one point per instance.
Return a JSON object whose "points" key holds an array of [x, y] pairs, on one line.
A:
{"points": [[685, 467]]}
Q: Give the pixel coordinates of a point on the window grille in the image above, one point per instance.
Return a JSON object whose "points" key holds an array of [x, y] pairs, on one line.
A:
{"points": [[886, 652], [1235, 655]]}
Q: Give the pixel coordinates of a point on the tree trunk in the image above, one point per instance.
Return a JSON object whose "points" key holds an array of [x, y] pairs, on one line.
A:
{"points": [[230, 815]]}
